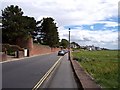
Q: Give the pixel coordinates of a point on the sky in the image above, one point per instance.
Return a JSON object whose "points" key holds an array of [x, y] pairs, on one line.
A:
{"points": [[91, 22]]}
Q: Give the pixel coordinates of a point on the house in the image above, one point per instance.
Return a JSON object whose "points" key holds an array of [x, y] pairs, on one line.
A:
{"points": [[74, 45], [92, 48], [98, 48]]}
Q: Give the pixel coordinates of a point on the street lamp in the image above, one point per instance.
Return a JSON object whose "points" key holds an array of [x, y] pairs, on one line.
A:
{"points": [[69, 46]]}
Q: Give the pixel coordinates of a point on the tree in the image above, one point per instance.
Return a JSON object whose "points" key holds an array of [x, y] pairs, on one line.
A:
{"points": [[37, 33], [11, 17], [48, 32], [15, 25], [29, 25], [64, 43]]}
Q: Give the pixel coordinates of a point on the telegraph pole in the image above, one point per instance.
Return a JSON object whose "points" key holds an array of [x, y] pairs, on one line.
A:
{"points": [[69, 46]]}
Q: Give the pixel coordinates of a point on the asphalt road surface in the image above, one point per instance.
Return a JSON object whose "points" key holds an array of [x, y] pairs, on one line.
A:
{"points": [[25, 73]]}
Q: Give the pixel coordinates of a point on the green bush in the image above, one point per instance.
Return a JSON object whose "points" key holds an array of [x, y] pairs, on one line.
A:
{"points": [[11, 52], [11, 49]]}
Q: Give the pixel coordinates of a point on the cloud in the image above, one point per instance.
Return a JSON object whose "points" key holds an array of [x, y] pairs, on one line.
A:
{"points": [[108, 23], [69, 12], [100, 38], [111, 24], [76, 13]]}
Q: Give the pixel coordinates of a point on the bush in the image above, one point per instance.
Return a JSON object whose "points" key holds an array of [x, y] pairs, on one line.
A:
{"points": [[11, 49]]}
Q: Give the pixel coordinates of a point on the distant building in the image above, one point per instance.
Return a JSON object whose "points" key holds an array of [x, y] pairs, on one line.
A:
{"points": [[98, 48], [74, 45], [93, 48], [90, 48]]}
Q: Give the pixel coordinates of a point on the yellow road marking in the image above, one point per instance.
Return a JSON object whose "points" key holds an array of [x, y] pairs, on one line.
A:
{"points": [[46, 75]]}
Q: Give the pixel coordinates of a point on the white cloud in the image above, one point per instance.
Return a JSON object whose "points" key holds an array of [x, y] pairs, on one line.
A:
{"points": [[111, 24], [108, 23], [69, 12], [100, 38]]}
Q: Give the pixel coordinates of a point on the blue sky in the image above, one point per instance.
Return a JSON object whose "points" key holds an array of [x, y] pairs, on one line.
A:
{"points": [[92, 22], [97, 26]]}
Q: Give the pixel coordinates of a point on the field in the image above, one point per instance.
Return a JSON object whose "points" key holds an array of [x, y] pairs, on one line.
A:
{"points": [[101, 65]]}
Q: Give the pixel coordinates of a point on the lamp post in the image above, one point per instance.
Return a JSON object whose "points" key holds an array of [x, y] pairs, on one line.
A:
{"points": [[69, 46]]}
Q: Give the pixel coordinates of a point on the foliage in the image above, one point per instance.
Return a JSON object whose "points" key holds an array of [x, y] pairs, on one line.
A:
{"points": [[48, 34], [13, 47], [36, 35], [10, 20], [102, 65], [28, 25], [15, 25], [10, 49], [64, 43]]}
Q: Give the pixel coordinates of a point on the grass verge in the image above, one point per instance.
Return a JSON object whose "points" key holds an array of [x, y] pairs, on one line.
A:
{"points": [[101, 65]]}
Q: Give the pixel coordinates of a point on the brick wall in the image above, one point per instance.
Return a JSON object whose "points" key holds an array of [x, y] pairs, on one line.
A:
{"points": [[42, 49], [35, 49], [3, 56], [39, 49], [25, 43], [20, 54], [55, 49]]}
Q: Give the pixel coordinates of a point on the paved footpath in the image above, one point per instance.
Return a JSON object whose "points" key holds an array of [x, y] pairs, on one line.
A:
{"points": [[63, 76]]}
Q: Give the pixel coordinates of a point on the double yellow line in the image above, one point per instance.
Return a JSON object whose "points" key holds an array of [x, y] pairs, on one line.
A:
{"points": [[46, 75]]}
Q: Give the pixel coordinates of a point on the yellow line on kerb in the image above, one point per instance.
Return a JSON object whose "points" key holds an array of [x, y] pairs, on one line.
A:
{"points": [[46, 75]]}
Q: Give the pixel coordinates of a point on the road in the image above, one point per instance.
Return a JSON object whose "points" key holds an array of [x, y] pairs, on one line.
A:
{"points": [[26, 73]]}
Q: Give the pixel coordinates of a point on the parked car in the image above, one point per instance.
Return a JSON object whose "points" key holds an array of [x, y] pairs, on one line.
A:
{"points": [[61, 53]]}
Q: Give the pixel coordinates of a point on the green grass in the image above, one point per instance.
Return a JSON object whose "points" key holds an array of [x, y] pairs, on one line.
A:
{"points": [[101, 65]]}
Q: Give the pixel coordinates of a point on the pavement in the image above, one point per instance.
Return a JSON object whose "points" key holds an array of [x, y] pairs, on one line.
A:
{"points": [[62, 77]]}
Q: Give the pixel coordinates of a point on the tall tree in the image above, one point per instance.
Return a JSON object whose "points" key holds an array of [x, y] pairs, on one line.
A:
{"points": [[15, 25], [29, 26], [49, 33], [11, 17], [37, 33]]}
